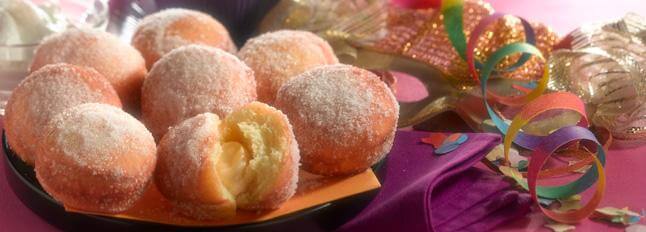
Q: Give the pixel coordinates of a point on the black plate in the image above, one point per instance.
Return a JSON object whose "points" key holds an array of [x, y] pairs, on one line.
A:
{"points": [[240, 17], [22, 179]]}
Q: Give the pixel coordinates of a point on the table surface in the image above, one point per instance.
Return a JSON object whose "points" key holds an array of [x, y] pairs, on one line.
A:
{"points": [[624, 168]]}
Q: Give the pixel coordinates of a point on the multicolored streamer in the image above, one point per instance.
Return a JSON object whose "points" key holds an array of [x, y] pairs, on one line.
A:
{"points": [[551, 144], [533, 103]]}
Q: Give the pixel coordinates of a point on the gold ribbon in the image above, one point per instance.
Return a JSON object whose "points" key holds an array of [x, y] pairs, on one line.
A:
{"points": [[606, 67]]}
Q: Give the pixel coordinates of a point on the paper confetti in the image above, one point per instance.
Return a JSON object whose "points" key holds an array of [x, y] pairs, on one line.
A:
{"points": [[614, 215], [444, 144], [545, 202], [511, 172], [558, 227], [497, 153], [434, 139], [570, 203]]}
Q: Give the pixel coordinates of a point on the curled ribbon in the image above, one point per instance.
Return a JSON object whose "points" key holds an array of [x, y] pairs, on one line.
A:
{"points": [[554, 141], [533, 103]]}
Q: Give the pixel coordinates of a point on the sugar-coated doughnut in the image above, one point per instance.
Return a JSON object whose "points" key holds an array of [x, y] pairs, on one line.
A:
{"points": [[161, 32], [344, 118], [279, 56], [45, 93], [209, 167], [117, 61], [96, 157], [191, 80], [186, 169]]}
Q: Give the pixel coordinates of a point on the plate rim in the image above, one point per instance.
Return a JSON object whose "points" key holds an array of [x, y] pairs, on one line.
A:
{"points": [[11, 158]]}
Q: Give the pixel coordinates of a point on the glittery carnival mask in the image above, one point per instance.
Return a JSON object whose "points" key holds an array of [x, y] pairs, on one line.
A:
{"points": [[605, 65], [374, 35]]}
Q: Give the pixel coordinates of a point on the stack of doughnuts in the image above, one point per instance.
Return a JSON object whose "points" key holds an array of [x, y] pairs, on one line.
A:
{"points": [[220, 131]]}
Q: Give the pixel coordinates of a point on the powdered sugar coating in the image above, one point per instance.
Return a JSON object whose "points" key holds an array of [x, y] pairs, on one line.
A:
{"points": [[45, 93], [191, 80], [186, 172], [182, 153], [96, 157], [161, 32], [276, 57], [118, 62], [343, 117]]}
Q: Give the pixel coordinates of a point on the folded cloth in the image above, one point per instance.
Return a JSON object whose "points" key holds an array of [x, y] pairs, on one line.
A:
{"points": [[425, 192]]}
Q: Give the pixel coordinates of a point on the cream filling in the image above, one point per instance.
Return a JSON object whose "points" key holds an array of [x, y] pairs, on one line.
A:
{"points": [[232, 166], [251, 155]]}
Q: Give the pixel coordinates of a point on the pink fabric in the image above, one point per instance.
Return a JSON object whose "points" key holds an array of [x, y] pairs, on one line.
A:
{"points": [[624, 168], [565, 15]]}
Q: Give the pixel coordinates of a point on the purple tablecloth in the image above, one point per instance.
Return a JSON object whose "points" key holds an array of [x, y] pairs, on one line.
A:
{"points": [[424, 191], [624, 168]]}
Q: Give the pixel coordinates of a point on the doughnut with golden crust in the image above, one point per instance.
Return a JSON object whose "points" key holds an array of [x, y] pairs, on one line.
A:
{"points": [[96, 157], [161, 32], [192, 80], [344, 118], [118, 62], [45, 93], [276, 57]]}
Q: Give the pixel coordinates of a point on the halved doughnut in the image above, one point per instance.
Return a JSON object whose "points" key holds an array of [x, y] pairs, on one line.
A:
{"points": [[208, 167]]}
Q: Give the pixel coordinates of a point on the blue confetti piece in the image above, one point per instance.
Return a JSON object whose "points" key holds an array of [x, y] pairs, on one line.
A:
{"points": [[633, 219], [446, 148], [449, 146], [463, 138]]}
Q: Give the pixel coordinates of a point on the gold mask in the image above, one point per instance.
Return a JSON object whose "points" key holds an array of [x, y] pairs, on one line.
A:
{"points": [[373, 35]]}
